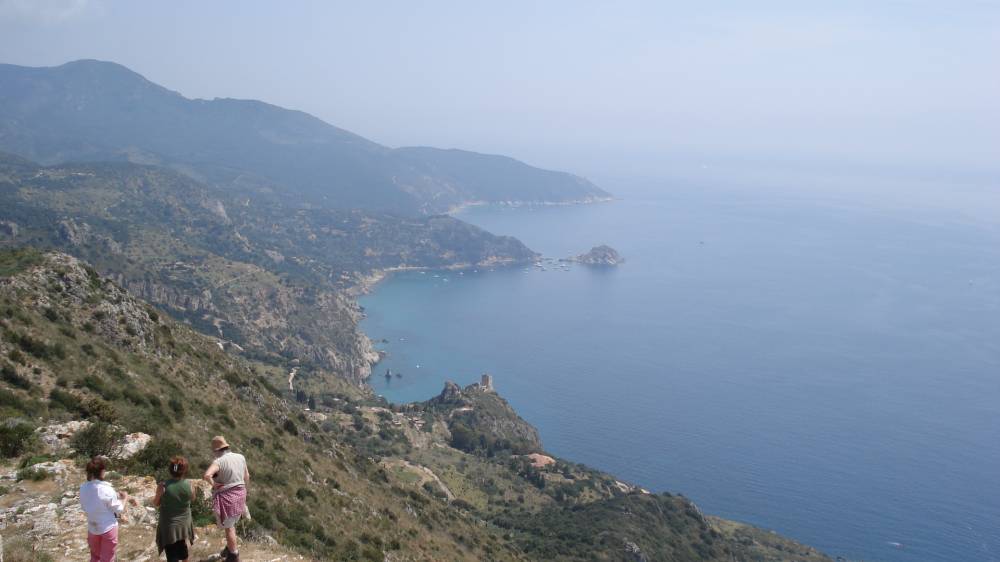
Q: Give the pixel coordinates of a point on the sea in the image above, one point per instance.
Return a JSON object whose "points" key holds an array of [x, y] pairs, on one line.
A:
{"points": [[822, 363]]}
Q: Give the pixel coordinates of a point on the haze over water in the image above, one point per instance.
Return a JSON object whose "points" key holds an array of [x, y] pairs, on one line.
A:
{"points": [[813, 365]]}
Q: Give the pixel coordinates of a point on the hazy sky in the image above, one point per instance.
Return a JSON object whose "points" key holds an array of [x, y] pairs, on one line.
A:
{"points": [[587, 86]]}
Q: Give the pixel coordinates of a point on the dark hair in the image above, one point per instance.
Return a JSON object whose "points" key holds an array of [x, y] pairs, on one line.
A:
{"points": [[178, 467], [95, 467]]}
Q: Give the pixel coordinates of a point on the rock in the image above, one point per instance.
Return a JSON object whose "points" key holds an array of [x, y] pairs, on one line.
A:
{"points": [[82, 234], [451, 393], [58, 469], [600, 255], [316, 417], [133, 443], [55, 438], [539, 460], [8, 228], [634, 553]]}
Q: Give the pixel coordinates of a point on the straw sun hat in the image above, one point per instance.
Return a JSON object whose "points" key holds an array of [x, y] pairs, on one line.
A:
{"points": [[219, 442]]}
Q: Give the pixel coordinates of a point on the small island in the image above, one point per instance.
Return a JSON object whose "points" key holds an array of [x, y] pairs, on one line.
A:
{"points": [[602, 255]]}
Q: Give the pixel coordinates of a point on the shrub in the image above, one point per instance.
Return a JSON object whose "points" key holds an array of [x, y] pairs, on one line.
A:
{"points": [[462, 504], [16, 356], [290, 427], [177, 406], [304, 493], [97, 439], [35, 459], [97, 408], [61, 399], [34, 346], [10, 375], [15, 439], [153, 460], [10, 399], [32, 474], [134, 396], [201, 511]]}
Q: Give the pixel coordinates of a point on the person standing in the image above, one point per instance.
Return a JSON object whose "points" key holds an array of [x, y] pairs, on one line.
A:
{"points": [[103, 507], [174, 530], [228, 476]]}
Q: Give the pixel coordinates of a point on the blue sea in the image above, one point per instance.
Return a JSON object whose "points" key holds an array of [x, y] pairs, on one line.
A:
{"points": [[827, 367]]}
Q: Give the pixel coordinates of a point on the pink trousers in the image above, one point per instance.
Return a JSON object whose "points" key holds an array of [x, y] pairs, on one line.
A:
{"points": [[102, 547]]}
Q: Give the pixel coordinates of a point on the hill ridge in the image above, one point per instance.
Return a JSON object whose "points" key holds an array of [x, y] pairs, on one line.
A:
{"points": [[95, 110]]}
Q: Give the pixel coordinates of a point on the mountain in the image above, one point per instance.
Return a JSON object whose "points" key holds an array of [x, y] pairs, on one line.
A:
{"points": [[99, 111], [338, 474], [269, 278]]}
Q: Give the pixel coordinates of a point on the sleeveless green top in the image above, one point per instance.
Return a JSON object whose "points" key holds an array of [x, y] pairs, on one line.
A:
{"points": [[175, 514], [176, 498]]}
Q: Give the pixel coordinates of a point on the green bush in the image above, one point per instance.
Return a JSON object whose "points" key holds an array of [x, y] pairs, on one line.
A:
{"points": [[153, 460], [32, 474], [305, 493], [10, 399], [16, 356], [201, 511], [97, 408], [135, 397], [10, 375], [38, 348], [177, 406], [97, 439], [15, 439], [64, 400], [35, 459]]}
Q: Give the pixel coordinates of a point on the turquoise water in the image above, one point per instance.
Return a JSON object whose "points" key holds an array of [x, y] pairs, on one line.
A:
{"points": [[827, 370]]}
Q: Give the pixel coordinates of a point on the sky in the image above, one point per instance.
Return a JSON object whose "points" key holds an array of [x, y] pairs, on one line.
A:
{"points": [[589, 86]]}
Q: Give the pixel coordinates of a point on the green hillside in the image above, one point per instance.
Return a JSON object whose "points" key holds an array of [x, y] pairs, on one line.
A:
{"points": [[338, 474], [267, 277]]}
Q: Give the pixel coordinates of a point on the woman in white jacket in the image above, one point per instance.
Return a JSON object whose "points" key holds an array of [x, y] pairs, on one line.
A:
{"points": [[103, 506]]}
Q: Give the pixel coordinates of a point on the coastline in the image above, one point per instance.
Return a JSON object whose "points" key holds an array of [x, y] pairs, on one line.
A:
{"points": [[755, 533], [365, 283], [454, 209]]}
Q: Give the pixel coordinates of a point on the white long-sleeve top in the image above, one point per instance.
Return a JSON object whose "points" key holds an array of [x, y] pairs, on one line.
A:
{"points": [[101, 503]]}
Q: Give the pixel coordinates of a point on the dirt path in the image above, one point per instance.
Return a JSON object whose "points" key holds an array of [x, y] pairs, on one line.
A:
{"points": [[425, 474]]}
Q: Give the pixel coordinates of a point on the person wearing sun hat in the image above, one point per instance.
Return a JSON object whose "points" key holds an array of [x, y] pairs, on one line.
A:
{"points": [[228, 476]]}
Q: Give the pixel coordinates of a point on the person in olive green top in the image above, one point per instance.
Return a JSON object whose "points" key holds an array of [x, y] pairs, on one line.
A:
{"points": [[175, 530]]}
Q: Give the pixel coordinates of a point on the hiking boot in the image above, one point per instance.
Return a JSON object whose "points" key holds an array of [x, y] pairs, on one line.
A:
{"points": [[233, 557]]}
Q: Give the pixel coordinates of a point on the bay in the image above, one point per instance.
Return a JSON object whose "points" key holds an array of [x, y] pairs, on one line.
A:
{"points": [[825, 368]]}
